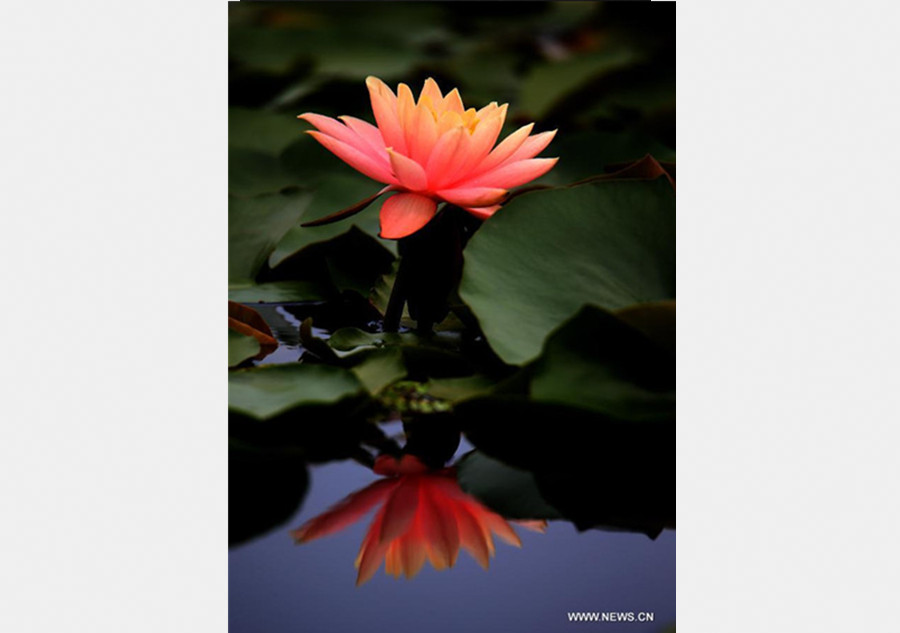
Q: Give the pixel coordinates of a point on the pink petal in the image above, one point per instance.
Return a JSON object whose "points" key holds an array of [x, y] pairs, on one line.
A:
{"points": [[473, 196], [367, 132], [411, 465], [448, 121], [345, 134], [439, 528], [481, 141], [453, 102], [405, 213], [505, 149], [439, 167], [408, 172], [400, 509], [386, 465], [406, 108], [384, 107], [413, 549], [513, 149], [422, 134], [532, 146], [432, 91], [331, 127], [370, 554], [535, 525], [392, 563], [471, 536], [360, 161], [449, 487], [478, 511], [345, 512], [488, 129], [483, 213], [501, 528], [514, 174]]}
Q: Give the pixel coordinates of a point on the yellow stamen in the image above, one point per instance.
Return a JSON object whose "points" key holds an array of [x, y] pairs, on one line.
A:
{"points": [[470, 119], [426, 103]]}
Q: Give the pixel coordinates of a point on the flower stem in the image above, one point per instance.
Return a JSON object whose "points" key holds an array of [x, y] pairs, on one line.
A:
{"points": [[397, 299], [430, 269]]}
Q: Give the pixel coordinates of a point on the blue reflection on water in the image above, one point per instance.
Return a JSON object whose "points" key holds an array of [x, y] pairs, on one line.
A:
{"points": [[276, 586]]}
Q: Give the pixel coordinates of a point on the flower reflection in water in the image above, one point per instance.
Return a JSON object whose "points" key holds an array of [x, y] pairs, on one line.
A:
{"points": [[424, 514]]}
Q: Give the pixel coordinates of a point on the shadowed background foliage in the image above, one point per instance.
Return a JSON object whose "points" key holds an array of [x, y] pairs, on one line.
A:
{"points": [[602, 73], [560, 344]]}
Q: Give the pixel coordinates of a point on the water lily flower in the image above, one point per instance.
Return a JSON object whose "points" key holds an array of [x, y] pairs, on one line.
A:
{"points": [[424, 514], [431, 150]]}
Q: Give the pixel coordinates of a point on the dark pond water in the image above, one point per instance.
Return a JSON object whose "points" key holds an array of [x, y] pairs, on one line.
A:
{"points": [[276, 586]]}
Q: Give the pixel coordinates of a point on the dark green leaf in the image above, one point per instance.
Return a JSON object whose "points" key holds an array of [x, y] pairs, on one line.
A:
{"points": [[598, 362], [251, 173], [255, 226], [596, 471], [333, 193], [458, 389], [378, 370], [511, 492], [308, 160], [262, 131], [277, 292], [547, 253], [240, 348], [263, 392]]}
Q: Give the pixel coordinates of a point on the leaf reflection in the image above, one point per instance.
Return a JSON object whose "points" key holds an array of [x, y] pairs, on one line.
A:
{"points": [[423, 515]]}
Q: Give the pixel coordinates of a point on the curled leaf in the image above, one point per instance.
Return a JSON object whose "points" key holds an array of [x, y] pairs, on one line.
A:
{"points": [[249, 322]]}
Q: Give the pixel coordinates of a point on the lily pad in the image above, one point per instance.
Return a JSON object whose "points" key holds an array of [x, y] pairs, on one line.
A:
{"points": [[459, 388], [546, 253], [277, 292], [380, 295], [598, 362], [264, 392], [251, 173], [596, 471], [333, 193], [378, 370], [354, 260], [241, 347], [511, 492], [261, 131], [255, 226]]}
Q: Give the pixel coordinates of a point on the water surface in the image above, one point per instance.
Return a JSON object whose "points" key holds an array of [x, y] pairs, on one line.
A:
{"points": [[276, 586]]}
